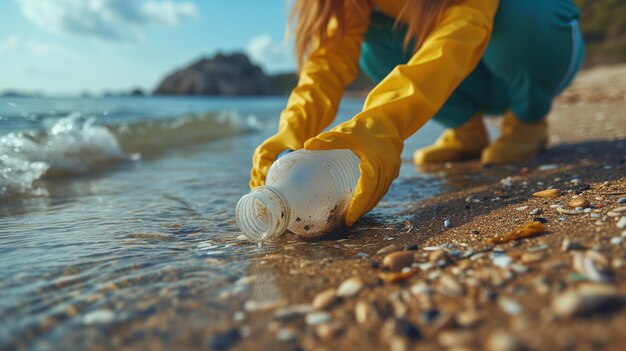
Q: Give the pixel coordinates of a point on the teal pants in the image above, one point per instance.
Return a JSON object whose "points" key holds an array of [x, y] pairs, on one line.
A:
{"points": [[536, 48]]}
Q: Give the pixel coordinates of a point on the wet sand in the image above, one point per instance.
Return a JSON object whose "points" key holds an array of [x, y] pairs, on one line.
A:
{"points": [[450, 288]]}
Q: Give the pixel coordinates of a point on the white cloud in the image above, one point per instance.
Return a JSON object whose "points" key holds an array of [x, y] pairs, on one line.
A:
{"points": [[9, 43], [36, 47], [271, 55], [167, 12], [110, 20]]}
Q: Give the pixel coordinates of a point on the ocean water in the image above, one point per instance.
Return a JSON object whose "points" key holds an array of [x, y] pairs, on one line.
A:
{"points": [[108, 203]]}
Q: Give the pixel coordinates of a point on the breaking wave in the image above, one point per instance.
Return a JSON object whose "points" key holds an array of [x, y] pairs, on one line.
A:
{"points": [[76, 145]]}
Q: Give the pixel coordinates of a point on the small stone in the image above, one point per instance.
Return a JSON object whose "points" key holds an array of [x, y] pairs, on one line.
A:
{"points": [[535, 212], [620, 209], [578, 202], [621, 224], [621, 200], [350, 287], [587, 299], [447, 223], [500, 259], [521, 208], [591, 265], [316, 318], [286, 334], [548, 167], [568, 245], [503, 341], [454, 339], [397, 260], [388, 249], [99, 317], [549, 193], [617, 240], [256, 306], [325, 299], [510, 306], [291, 312], [468, 319], [327, 331], [239, 316], [532, 257], [613, 214], [224, 340], [365, 312]]}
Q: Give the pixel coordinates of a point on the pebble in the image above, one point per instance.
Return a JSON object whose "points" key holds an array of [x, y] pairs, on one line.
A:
{"points": [[613, 214], [286, 334], [388, 249], [621, 200], [617, 240], [503, 341], [549, 193], [501, 260], [447, 223], [317, 318], [548, 167], [397, 260], [99, 317], [364, 312], [620, 209], [579, 202], [535, 212], [568, 245], [510, 306], [291, 312], [325, 299], [586, 264], [350, 287], [254, 306], [621, 224], [453, 339], [587, 299], [225, 339], [468, 319], [568, 212], [328, 331], [532, 257]]}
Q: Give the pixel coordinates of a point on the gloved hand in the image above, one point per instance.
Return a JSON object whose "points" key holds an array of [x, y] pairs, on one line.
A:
{"points": [[265, 154], [378, 145]]}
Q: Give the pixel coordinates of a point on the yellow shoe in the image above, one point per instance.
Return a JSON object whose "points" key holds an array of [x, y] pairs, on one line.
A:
{"points": [[462, 143], [517, 142]]}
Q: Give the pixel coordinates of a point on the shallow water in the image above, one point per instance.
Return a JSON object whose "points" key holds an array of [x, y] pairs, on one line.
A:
{"points": [[112, 209]]}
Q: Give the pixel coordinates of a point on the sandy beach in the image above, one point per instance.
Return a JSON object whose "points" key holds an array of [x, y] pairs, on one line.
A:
{"points": [[438, 279]]}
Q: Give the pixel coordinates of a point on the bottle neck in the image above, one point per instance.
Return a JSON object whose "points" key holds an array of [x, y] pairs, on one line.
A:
{"points": [[263, 213]]}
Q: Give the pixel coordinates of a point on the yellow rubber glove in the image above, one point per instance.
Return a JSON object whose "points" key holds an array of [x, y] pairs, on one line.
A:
{"points": [[407, 98], [313, 104], [378, 145]]}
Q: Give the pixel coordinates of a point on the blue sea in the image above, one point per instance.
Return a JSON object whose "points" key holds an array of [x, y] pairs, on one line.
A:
{"points": [[107, 202]]}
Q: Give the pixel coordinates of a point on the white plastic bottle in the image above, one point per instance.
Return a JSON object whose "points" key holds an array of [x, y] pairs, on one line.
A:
{"points": [[306, 192]]}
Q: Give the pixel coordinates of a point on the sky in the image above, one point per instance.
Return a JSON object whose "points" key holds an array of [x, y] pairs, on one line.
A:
{"points": [[75, 46]]}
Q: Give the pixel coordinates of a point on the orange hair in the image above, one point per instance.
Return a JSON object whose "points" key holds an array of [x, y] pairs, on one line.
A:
{"points": [[310, 18]]}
